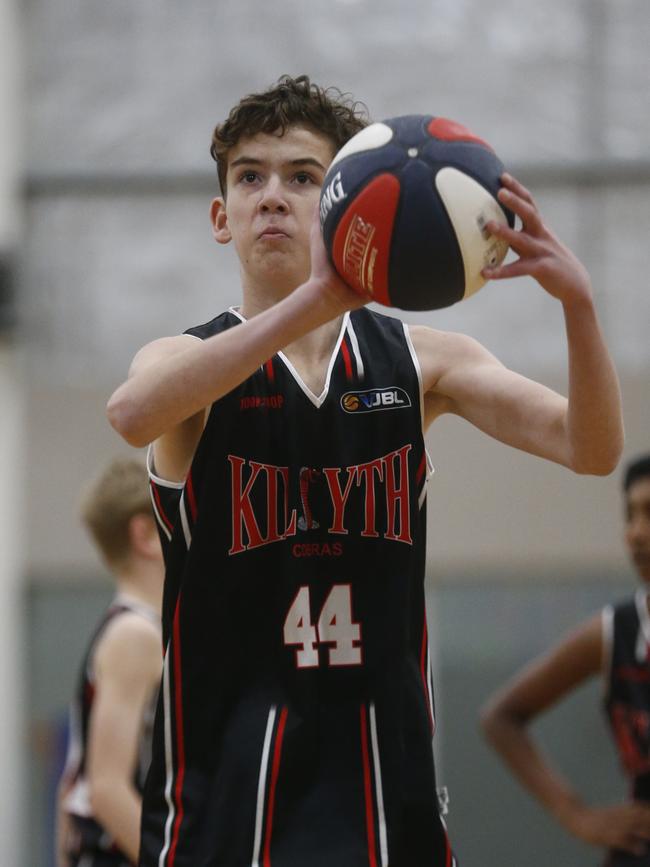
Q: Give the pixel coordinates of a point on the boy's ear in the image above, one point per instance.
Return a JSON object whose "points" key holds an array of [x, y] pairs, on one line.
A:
{"points": [[219, 220]]}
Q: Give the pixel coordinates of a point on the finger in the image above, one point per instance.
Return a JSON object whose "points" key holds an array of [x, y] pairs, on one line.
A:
{"points": [[520, 241], [517, 187], [524, 209], [518, 268]]}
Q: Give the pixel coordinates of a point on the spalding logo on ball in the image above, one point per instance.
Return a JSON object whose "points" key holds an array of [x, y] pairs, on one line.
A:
{"points": [[403, 211]]}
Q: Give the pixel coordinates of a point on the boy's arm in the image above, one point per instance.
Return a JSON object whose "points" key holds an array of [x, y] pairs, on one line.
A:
{"points": [[128, 664], [584, 432], [505, 720], [176, 379]]}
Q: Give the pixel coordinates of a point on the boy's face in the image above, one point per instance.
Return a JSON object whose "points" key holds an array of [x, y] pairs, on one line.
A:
{"points": [[273, 188], [637, 525]]}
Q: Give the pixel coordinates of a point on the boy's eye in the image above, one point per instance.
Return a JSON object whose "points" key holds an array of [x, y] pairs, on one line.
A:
{"points": [[303, 178], [248, 177]]}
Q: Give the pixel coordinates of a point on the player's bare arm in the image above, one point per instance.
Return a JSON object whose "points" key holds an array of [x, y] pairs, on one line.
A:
{"points": [[583, 432], [128, 664], [174, 380], [505, 720]]}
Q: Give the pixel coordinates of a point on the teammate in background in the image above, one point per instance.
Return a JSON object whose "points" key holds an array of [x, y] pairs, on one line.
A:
{"points": [[295, 720], [615, 645], [99, 797]]}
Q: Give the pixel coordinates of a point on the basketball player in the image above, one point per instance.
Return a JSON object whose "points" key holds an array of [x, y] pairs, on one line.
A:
{"points": [[111, 716], [615, 645], [295, 720]]}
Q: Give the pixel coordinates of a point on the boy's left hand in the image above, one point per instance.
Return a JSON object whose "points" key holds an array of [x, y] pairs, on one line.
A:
{"points": [[541, 254]]}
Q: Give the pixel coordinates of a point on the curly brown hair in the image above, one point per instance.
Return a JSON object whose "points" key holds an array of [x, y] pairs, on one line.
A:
{"points": [[289, 102]]}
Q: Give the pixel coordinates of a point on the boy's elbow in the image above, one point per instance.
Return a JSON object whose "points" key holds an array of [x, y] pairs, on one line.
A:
{"points": [[602, 460], [126, 420], [603, 464]]}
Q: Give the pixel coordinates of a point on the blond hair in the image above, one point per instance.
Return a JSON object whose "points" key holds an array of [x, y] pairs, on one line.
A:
{"points": [[109, 502]]}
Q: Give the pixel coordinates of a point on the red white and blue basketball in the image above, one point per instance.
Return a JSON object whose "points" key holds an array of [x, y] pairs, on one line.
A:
{"points": [[403, 211]]}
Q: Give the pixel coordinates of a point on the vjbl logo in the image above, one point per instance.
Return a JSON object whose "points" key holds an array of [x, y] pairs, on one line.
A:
{"points": [[374, 399]]}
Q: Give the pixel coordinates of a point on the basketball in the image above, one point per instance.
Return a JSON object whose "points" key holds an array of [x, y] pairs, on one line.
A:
{"points": [[403, 210]]}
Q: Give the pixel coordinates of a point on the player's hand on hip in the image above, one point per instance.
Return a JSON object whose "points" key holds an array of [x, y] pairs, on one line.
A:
{"points": [[324, 274], [624, 826], [541, 254]]}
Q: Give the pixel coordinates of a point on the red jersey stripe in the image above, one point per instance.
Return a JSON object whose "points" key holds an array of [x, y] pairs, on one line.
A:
{"points": [[367, 787], [421, 468], [180, 745], [191, 498], [448, 858], [347, 360], [423, 669], [275, 769], [270, 372], [161, 511]]}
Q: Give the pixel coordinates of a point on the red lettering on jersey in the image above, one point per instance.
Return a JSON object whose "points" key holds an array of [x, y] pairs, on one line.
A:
{"points": [[272, 473], [246, 533], [397, 496], [339, 498], [367, 472], [243, 515]]}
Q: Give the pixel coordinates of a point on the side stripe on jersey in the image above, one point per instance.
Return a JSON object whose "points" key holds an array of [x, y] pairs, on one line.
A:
{"points": [[175, 777], [425, 672], [261, 787], [275, 769], [372, 768], [185, 524], [367, 789], [265, 809], [381, 816], [450, 860], [163, 521], [169, 763], [188, 499]]}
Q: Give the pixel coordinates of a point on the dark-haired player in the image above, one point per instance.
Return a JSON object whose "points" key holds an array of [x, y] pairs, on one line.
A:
{"points": [[99, 798], [296, 714], [615, 645]]}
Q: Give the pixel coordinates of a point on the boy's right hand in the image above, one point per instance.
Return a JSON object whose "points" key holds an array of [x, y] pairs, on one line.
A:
{"points": [[326, 276]]}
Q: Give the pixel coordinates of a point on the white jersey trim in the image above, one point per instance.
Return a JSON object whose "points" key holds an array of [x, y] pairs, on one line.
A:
{"points": [[164, 483], [169, 764], [261, 786], [418, 370], [355, 350], [317, 400], [379, 792]]}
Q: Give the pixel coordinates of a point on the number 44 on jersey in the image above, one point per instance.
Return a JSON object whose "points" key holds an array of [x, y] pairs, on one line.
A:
{"points": [[334, 628]]}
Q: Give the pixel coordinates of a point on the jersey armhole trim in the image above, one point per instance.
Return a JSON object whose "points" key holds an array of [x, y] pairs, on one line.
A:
{"points": [[430, 469], [416, 365], [158, 480]]}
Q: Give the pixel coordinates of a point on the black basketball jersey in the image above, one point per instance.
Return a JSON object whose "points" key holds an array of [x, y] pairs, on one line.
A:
{"points": [[90, 838], [627, 630], [295, 722]]}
